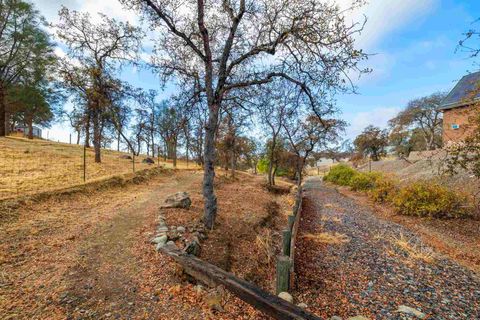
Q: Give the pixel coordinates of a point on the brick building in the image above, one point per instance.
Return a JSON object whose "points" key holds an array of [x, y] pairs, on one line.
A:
{"points": [[459, 108]]}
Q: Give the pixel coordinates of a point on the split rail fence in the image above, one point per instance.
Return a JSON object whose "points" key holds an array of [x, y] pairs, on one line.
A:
{"points": [[285, 280]]}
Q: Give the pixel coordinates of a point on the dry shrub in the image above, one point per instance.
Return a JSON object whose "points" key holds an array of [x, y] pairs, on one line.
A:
{"points": [[264, 244], [364, 181], [430, 199], [328, 237], [340, 174], [385, 189], [414, 249]]}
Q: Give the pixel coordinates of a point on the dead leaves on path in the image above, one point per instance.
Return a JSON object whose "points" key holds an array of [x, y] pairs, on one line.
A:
{"points": [[327, 237]]}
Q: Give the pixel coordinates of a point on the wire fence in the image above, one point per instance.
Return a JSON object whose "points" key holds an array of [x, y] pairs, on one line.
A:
{"points": [[32, 166]]}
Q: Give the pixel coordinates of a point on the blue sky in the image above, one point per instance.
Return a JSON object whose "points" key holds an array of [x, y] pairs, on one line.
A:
{"points": [[412, 43]]}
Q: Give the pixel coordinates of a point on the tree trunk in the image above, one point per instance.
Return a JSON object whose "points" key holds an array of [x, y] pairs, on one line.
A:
{"points": [[118, 141], [274, 173], [210, 206], [78, 136], [233, 162], [97, 137], [175, 154], [30, 128], [3, 120], [271, 180]]}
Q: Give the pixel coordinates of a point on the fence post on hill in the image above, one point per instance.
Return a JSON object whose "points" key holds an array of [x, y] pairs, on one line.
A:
{"points": [[84, 163]]}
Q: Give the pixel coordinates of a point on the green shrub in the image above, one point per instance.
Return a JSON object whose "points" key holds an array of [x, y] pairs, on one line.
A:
{"points": [[429, 199], [385, 189], [364, 181], [340, 174]]}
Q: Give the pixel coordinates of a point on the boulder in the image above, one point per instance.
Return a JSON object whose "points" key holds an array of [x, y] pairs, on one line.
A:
{"points": [[178, 200], [286, 296], [171, 244], [162, 229], [181, 229], [148, 161], [160, 239], [411, 311], [193, 247], [358, 318], [302, 305]]}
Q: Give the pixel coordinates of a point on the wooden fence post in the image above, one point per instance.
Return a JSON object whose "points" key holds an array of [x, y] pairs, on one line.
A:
{"points": [[283, 274], [287, 236], [291, 221]]}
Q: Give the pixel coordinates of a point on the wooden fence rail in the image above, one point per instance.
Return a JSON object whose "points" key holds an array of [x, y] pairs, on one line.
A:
{"points": [[256, 297], [285, 261]]}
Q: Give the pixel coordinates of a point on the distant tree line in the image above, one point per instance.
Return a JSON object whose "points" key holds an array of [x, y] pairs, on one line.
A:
{"points": [[418, 127]]}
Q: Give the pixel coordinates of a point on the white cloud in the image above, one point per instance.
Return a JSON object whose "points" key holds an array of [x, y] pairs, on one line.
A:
{"points": [[112, 8], [377, 116], [383, 17]]}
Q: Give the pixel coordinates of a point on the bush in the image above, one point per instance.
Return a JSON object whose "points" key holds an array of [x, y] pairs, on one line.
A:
{"points": [[429, 199], [340, 174], [385, 189], [364, 181]]}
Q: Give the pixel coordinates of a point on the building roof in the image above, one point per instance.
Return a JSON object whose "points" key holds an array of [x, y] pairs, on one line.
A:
{"points": [[466, 91]]}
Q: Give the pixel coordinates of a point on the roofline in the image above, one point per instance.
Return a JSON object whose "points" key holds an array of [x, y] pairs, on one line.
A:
{"points": [[458, 104]]}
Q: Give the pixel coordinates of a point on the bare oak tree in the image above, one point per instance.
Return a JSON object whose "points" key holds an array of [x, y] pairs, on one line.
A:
{"points": [[229, 45], [100, 48]]}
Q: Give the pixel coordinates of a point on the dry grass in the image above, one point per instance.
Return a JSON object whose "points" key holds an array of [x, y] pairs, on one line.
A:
{"points": [[328, 237], [330, 219], [264, 243], [413, 248], [31, 166]]}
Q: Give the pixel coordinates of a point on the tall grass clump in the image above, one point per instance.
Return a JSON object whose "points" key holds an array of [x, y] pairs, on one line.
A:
{"points": [[340, 174]]}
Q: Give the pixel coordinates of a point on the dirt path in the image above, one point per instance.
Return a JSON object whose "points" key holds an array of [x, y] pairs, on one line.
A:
{"points": [[351, 263], [89, 256], [81, 258]]}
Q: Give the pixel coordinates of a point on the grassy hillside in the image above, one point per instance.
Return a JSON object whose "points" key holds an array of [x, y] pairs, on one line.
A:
{"points": [[31, 166]]}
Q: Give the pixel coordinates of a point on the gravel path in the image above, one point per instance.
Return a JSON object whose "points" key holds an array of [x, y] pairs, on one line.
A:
{"points": [[351, 263]]}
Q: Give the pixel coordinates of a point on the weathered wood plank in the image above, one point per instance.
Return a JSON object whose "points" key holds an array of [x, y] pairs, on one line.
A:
{"points": [[286, 238], [298, 214], [283, 274], [256, 297]]}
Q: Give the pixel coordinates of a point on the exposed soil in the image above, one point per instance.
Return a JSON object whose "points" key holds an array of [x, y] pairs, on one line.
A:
{"points": [[350, 262], [89, 256]]}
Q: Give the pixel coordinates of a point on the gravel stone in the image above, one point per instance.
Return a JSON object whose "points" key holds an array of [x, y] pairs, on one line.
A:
{"points": [[367, 271]]}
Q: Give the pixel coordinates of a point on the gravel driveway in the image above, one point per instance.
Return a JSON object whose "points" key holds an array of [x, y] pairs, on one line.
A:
{"points": [[351, 263]]}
